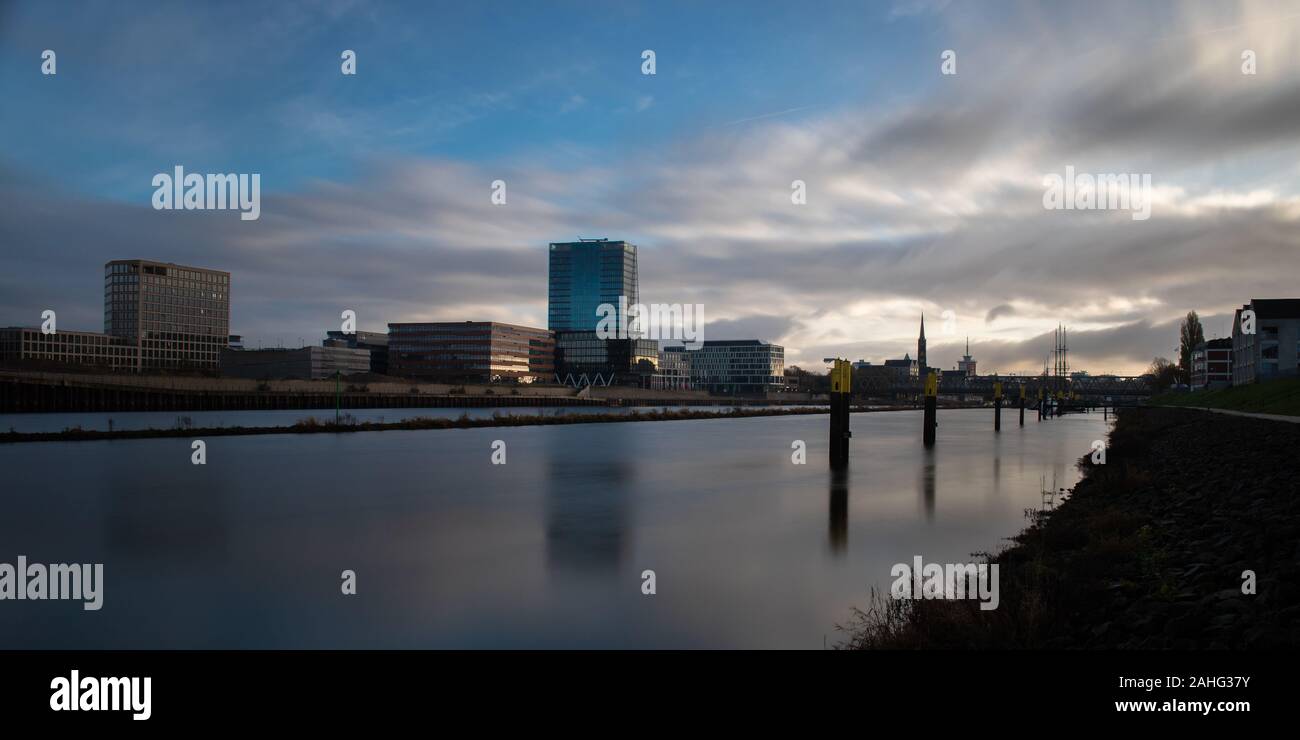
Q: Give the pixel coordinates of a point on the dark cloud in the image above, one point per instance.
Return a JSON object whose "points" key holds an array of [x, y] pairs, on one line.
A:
{"points": [[1002, 309]]}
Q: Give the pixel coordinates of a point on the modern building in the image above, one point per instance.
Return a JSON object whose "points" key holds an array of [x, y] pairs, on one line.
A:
{"points": [[29, 345], [583, 358], [674, 371], [586, 274], [235, 342], [471, 350], [736, 366], [177, 316], [967, 364], [1212, 364], [374, 342], [1272, 350], [311, 363]]}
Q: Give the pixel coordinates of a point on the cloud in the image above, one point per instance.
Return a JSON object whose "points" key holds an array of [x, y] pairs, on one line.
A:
{"points": [[927, 203], [1004, 309]]}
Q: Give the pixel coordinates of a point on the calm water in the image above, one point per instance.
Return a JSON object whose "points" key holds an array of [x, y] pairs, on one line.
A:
{"points": [[31, 423], [749, 550]]}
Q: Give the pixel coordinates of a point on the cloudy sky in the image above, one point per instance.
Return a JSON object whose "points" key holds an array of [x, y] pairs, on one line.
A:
{"points": [[924, 190]]}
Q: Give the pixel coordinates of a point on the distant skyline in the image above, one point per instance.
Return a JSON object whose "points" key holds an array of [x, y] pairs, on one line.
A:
{"points": [[924, 191]]}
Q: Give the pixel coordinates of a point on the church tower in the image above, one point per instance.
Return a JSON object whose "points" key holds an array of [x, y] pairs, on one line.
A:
{"points": [[920, 348]]}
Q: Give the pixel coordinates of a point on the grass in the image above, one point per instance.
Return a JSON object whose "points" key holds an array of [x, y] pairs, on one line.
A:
{"points": [[1272, 397]]}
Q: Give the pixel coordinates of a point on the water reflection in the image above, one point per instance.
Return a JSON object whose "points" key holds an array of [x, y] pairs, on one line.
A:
{"points": [[588, 513], [839, 526], [927, 485]]}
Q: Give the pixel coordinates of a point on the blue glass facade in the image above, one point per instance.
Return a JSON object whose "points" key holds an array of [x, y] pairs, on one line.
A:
{"points": [[584, 275]]}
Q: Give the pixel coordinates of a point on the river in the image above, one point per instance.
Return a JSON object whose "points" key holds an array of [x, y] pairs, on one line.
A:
{"points": [[748, 549]]}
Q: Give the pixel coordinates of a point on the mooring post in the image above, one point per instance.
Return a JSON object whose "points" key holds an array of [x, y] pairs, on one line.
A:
{"points": [[931, 408], [997, 406], [1022, 404], [1041, 396], [841, 388]]}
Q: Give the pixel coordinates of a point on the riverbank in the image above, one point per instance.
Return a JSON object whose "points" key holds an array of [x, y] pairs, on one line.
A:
{"points": [[1280, 396], [1148, 551], [347, 424]]}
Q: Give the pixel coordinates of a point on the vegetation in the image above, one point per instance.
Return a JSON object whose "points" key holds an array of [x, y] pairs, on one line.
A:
{"points": [[350, 424], [1280, 396], [1190, 334], [1147, 552], [1163, 374]]}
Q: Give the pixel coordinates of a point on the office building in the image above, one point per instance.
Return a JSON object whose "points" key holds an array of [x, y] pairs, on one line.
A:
{"points": [[674, 371], [310, 363], [1272, 350], [737, 366], [582, 358], [471, 351], [1212, 364], [30, 347], [176, 316], [586, 274], [376, 343]]}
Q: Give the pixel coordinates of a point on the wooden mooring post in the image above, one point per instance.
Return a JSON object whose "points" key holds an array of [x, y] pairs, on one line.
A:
{"points": [[997, 406], [931, 408], [841, 392]]}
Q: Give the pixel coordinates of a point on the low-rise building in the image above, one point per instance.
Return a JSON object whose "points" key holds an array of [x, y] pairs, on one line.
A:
{"points": [[674, 371], [376, 343], [1212, 364], [30, 345], [584, 358], [471, 350], [1272, 349], [737, 366], [907, 368], [312, 363]]}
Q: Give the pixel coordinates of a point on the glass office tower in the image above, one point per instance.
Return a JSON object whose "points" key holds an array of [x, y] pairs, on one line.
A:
{"points": [[585, 274]]}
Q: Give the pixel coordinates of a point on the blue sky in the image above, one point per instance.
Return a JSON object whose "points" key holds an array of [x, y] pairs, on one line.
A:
{"points": [[924, 190], [257, 86]]}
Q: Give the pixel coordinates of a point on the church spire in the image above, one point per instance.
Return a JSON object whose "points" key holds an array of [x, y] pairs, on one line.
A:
{"points": [[920, 346]]}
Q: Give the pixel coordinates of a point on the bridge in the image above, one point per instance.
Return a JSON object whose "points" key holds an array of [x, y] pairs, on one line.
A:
{"points": [[1089, 390]]}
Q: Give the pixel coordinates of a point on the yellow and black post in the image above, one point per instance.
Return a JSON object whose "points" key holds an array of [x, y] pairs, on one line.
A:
{"points": [[841, 392], [1022, 404], [931, 408], [997, 406]]}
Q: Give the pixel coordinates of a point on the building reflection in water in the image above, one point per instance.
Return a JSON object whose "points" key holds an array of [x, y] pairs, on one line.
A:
{"points": [[927, 485], [839, 526], [588, 512]]}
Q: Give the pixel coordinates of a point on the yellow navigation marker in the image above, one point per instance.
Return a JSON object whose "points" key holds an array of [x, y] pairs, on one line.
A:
{"points": [[997, 389], [932, 384], [842, 377]]}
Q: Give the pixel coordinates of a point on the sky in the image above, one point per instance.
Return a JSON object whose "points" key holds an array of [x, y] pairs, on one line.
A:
{"points": [[924, 190]]}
